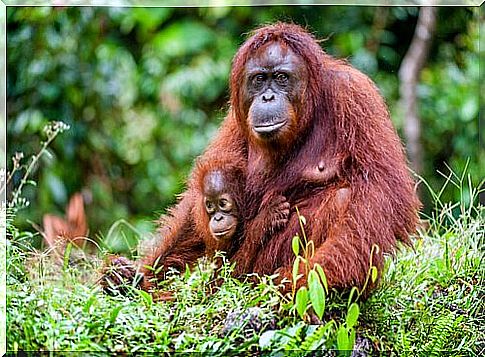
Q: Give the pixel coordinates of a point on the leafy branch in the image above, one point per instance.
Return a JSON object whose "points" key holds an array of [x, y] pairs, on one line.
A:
{"points": [[52, 129]]}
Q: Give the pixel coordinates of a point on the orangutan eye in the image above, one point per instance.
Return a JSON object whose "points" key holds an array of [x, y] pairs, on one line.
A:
{"points": [[259, 79], [209, 206], [225, 205], [281, 78]]}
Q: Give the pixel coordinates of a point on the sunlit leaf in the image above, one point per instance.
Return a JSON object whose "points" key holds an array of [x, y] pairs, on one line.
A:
{"points": [[147, 298], [352, 337], [352, 315], [317, 294], [374, 273], [295, 245], [114, 313], [342, 339], [353, 292], [89, 303], [295, 270], [301, 301], [323, 277]]}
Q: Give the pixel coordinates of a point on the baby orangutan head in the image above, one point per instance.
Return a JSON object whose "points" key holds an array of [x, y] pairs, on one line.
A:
{"points": [[220, 206]]}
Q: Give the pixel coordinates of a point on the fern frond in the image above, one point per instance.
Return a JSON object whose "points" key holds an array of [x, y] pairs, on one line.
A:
{"points": [[440, 333], [317, 338]]}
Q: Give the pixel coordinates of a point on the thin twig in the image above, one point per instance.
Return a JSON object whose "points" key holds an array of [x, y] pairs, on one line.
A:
{"points": [[34, 161]]}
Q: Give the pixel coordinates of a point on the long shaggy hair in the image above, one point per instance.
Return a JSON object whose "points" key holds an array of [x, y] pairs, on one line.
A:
{"points": [[341, 119], [372, 201]]}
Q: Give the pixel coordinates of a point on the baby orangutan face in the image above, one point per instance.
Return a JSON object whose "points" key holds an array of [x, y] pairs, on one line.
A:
{"points": [[220, 206]]}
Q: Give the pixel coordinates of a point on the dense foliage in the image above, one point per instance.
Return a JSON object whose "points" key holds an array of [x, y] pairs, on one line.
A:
{"points": [[145, 89], [430, 302]]}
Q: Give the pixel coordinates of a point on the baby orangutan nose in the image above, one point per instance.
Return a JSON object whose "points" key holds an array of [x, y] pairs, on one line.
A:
{"points": [[321, 166]]}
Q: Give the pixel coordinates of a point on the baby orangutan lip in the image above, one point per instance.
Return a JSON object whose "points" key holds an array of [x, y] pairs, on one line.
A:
{"points": [[222, 234]]}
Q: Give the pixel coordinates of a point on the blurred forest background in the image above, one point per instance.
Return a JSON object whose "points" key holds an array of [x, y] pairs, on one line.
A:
{"points": [[145, 89]]}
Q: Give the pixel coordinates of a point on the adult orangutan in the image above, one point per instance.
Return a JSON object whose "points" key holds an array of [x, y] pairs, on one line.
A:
{"points": [[315, 134]]}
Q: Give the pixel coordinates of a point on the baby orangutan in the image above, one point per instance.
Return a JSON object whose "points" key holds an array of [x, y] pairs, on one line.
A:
{"points": [[218, 218], [223, 204], [223, 213], [219, 208], [215, 218]]}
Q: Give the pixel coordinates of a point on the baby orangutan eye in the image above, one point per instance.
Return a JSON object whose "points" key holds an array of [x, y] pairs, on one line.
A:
{"points": [[209, 206], [225, 205]]}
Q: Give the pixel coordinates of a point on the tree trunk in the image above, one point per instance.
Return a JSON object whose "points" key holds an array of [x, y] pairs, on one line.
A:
{"points": [[409, 72]]}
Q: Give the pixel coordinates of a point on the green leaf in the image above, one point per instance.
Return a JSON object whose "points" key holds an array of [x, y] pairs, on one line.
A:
{"points": [[373, 274], [323, 277], [352, 315], [301, 301], [114, 314], [352, 339], [296, 268], [317, 294], [353, 291], [89, 303], [31, 182], [342, 339], [187, 273], [67, 254], [295, 245], [312, 276], [147, 298], [183, 38], [310, 249]]}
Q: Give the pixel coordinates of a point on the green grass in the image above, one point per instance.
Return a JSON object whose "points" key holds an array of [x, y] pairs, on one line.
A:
{"points": [[431, 300]]}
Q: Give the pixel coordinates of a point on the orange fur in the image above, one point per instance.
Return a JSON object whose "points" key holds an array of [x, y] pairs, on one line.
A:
{"points": [[369, 200], [234, 172]]}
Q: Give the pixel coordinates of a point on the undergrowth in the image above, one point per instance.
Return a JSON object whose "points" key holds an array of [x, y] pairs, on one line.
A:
{"points": [[430, 300]]}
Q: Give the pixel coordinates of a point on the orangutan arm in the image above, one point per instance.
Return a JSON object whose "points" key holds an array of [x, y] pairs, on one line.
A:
{"points": [[273, 216]]}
